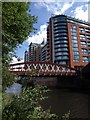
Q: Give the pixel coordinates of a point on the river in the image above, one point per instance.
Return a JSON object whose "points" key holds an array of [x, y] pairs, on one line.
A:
{"points": [[62, 100]]}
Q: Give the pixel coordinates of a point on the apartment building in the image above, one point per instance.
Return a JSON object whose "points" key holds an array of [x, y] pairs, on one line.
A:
{"points": [[33, 54], [26, 56], [68, 41]]}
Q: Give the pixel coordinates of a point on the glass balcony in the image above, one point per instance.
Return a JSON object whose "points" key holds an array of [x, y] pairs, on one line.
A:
{"points": [[61, 58], [61, 53]]}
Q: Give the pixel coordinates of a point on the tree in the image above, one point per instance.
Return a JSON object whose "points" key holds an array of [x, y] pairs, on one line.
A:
{"points": [[16, 26]]}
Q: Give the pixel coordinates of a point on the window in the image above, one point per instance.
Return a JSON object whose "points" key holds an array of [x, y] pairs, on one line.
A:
{"points": [[74, 41], [83, 44], [76, 60], [74, 37], [82, 37], [59, 19], [76, 53], [55, 31], [87, 30], [63, 62], [76, 57], [75, 45], [88, 37], [81, 30], [85, 59], [61, 49], [73, 34], [61, 58], [73, 30], [73, 27], [75, 49], [61, 53], [84, 51], [88, 44]]}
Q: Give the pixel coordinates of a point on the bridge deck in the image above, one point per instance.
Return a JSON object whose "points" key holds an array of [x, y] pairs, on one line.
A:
{"points": [[41, 68]]}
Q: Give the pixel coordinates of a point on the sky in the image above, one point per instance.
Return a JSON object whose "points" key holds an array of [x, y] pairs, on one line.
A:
{"points": [[43, 9]]}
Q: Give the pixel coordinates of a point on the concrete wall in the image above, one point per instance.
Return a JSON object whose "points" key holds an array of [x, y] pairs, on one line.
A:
{"points": [[48, 81]]}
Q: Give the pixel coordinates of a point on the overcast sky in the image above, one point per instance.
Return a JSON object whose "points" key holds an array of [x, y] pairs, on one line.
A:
{"points": [[44, 10]]}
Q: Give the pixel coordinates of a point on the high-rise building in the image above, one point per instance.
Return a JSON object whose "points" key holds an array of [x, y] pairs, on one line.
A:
{"points": [[34, 52], [68, 41], [26, 56], [44, 53]]}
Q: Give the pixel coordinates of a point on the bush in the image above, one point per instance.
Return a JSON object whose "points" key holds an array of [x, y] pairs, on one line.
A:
{"points": [[8, 78], [25, 106]]}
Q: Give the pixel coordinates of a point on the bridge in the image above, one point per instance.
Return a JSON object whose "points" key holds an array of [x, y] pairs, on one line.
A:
{"points": [[41, 69]]}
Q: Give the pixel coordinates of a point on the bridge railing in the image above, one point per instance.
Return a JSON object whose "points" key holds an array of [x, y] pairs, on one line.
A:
{"points": [[41, 68]]}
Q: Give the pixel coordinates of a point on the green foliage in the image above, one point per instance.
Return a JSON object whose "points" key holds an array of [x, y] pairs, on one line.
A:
{"points": [[66, 116], [8, 78], [25, 106], [6, 99], [16, 26], [0, 103]]}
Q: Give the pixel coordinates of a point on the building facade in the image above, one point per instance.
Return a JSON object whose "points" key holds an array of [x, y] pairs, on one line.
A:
{"points": [[68, 41], [44, 53], [33, 54], [26, 56]]}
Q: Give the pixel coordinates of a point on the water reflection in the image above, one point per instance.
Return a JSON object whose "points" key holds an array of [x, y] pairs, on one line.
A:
{"points": [[63, 100], [14, 89]]}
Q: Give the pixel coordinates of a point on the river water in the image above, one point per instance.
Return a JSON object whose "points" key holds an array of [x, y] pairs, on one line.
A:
{"points": [[63, 100]]}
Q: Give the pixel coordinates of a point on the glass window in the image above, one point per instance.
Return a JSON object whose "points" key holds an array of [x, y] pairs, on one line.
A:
{"points": [[59, 19], [61, 49], [76, 57], [61, 57], [76, 53], [73, 27], [63, 62], [74, 41], [85, 59], [61, 53], [75, 49], [73, 30], [55, 31], [87, 30], [88, 44], [81, 30], [75, 45], [74, 37], [88, 36], [83, 43], [73, 33], [63, 45], [76, 60], [84, 51]]}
